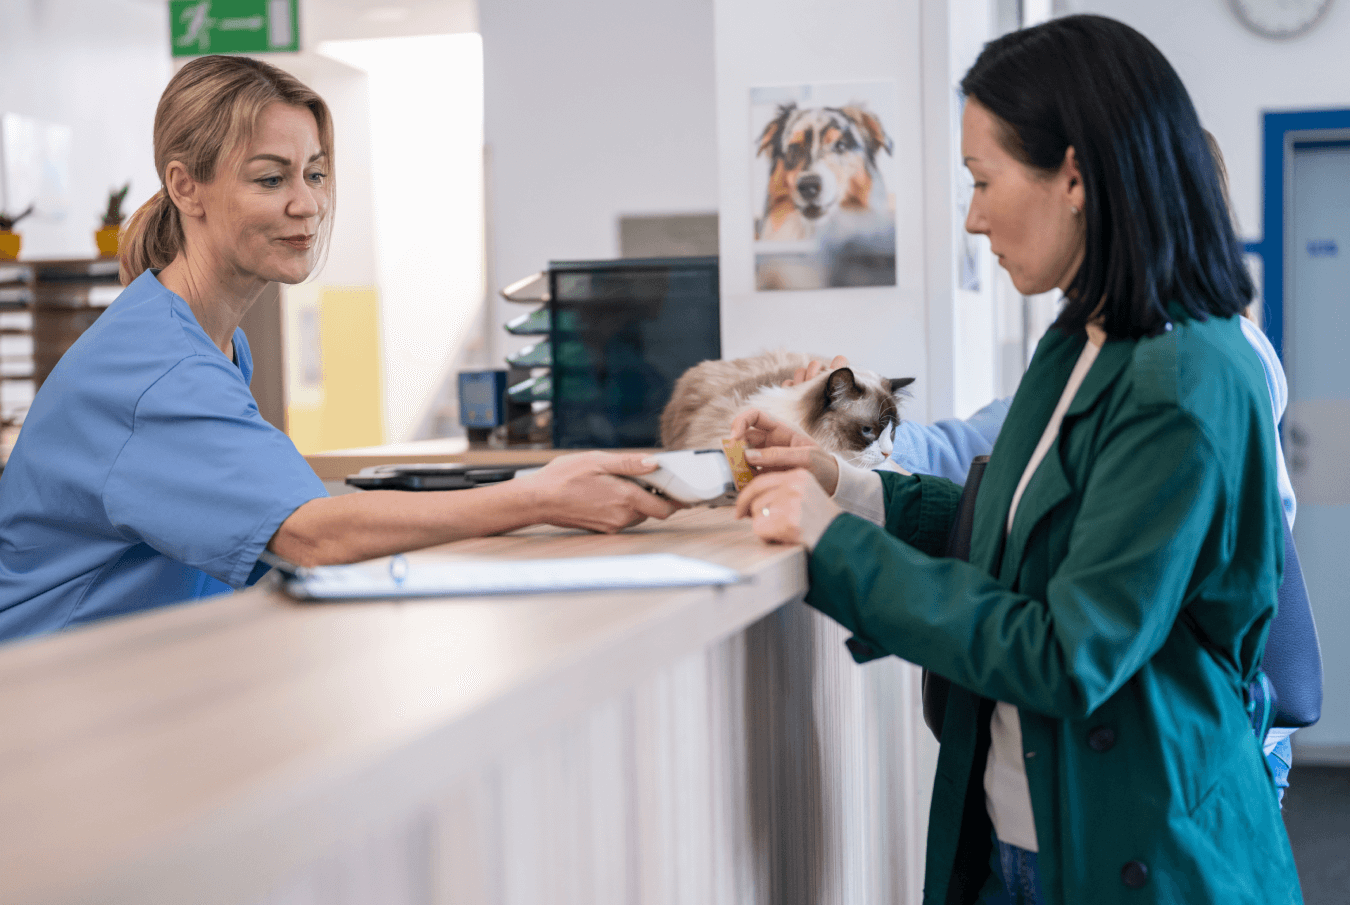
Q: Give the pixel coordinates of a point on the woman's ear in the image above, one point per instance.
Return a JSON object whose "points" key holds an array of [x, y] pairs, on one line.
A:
{"points": [[1077, 196], [182, 189]]}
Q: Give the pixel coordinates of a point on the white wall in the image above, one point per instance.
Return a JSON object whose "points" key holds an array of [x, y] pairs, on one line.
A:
{"points": [[981, 339], [913, 328], [1233, 75], [426, 171], [763, 43], [357, 20], [592, 110], [98, 68]]}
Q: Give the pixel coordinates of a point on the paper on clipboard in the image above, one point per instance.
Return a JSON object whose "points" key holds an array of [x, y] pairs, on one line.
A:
{"points": [[396, 577]]}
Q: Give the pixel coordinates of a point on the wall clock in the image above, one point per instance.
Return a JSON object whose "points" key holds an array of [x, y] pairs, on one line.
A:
{"points": [[1280, 19]]}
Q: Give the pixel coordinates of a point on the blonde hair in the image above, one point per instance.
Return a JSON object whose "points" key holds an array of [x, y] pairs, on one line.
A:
{"points": [[1217, 153], [208, 110]]}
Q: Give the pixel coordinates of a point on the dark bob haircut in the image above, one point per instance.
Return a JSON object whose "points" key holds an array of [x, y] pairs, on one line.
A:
{"points": [[1158, 227]]}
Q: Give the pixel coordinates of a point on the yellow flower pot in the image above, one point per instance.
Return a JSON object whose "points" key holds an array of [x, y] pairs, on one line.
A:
{"points": [[10, 243], [106, 240]]}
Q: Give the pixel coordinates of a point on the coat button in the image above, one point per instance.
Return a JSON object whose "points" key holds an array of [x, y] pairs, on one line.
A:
{"points": [[1102, 738], [1134, 874]]}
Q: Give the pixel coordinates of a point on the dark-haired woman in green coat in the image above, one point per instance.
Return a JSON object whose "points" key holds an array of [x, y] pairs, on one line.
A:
{"points": [[1127, 544]]}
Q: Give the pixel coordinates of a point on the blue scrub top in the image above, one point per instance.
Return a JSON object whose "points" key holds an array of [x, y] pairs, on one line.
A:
{"points": [[143, 475]]}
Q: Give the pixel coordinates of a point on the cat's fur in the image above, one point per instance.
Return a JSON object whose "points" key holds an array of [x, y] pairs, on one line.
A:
{"points": [[847, 411]]}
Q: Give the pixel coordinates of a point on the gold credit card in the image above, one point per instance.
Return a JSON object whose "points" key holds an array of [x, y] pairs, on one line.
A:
{"points": [[741, 472]]}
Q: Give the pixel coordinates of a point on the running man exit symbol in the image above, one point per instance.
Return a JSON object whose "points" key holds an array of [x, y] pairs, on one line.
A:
{"points": [[233, 26]]}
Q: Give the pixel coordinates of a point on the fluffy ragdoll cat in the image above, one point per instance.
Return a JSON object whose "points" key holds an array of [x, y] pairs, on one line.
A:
{"points": [[847, 411]]}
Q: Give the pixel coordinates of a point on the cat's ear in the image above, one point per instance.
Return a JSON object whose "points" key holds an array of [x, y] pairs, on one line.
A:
{"points": [[899, 383], [840, 385]]}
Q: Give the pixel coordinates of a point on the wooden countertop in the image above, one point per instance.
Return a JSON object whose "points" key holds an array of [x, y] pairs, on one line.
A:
{"points": [[145, 760]]}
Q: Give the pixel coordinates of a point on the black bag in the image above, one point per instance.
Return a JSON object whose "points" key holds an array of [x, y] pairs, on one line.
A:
{"points": [[935, 687], [1292, 662]]}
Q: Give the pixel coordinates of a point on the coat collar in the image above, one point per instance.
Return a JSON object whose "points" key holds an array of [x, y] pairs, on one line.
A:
{"points": [[1030, 412], [1111, 360]]}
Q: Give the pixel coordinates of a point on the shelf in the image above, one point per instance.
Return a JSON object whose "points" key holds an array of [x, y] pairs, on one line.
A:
{"points": [[60, 298], [67, 270]]}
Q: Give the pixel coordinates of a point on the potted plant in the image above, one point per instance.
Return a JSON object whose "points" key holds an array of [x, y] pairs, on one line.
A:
{"points": [[10, 241], [106, 237]]}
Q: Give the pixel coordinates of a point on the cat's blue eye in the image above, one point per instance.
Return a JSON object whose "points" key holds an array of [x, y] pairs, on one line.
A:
{"points": [[868, 433]]}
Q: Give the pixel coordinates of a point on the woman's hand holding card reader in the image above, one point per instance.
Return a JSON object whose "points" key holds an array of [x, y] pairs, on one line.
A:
{"points": [[695, 477]]}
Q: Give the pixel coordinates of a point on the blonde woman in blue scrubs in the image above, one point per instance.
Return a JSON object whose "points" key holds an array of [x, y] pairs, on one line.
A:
{"points": [[144, 474]]}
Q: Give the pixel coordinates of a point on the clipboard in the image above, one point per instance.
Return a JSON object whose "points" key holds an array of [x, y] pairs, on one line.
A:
{"points": [[396, 577]]}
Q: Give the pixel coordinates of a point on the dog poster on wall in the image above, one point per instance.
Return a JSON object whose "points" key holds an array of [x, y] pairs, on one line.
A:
{"points": [[822, 164]]}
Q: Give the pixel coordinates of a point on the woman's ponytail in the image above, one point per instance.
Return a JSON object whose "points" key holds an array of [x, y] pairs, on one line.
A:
{"points": [[152, 238]]}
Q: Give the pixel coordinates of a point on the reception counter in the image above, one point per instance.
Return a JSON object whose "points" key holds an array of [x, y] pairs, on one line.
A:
{"points": [[687, 745]]}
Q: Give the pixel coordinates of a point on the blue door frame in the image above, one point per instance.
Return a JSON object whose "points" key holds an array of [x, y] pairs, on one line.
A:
{"points": [[1280, 133]]}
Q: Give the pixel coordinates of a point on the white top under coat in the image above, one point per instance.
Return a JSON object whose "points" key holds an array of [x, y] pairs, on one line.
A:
{"points": [[1006, 794]]}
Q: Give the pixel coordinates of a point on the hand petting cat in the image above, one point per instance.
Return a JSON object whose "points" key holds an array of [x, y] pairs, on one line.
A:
{"points": [[801, 375]]}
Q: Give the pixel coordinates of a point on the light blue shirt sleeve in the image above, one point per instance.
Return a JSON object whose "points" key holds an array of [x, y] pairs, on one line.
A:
{"points": [[1279, 398], [946, 448], [203, 479]]}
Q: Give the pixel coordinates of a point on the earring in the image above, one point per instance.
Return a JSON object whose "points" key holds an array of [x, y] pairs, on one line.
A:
{"points": [[1073, 210]]}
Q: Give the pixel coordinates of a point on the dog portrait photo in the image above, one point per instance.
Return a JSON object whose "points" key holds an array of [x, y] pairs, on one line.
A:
{"points": [[824, 216]]}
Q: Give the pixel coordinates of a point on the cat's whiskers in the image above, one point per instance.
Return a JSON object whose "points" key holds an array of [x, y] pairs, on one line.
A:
{"points": [[866, 458]]}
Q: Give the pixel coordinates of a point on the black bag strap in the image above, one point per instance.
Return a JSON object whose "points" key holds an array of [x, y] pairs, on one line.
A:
{"points": [[935, 688], [1293, 658]]}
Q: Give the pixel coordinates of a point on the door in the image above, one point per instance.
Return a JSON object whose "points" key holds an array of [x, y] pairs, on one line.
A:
{"points": [[1317, 423]]}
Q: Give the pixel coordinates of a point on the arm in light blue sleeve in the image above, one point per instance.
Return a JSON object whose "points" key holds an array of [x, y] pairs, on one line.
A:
{"points": [[1279, 398], [946, 448], [203, 479]]}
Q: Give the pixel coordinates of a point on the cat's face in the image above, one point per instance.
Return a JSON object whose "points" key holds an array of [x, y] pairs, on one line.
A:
{"points": [[854, 413]]}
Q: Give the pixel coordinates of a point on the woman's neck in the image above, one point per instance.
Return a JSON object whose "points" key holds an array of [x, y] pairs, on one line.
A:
{"points": [[1096, 333], [218, 299]]}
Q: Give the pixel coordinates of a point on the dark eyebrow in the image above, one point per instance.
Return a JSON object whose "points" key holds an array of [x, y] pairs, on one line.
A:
{"points": [[284, 161]]}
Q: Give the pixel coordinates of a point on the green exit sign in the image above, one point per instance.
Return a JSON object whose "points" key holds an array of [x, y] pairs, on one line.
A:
{"points": [[233, 26]]}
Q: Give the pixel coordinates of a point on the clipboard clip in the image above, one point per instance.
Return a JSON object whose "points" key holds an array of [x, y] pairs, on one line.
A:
{"points": [[284, 567], [398, 569]]}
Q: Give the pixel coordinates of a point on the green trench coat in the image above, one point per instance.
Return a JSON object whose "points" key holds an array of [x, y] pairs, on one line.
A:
{"points": [[1124, 614]]}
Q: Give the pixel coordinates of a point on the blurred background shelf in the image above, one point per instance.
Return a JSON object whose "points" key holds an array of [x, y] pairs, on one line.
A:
{"points": [[44, 307]]}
